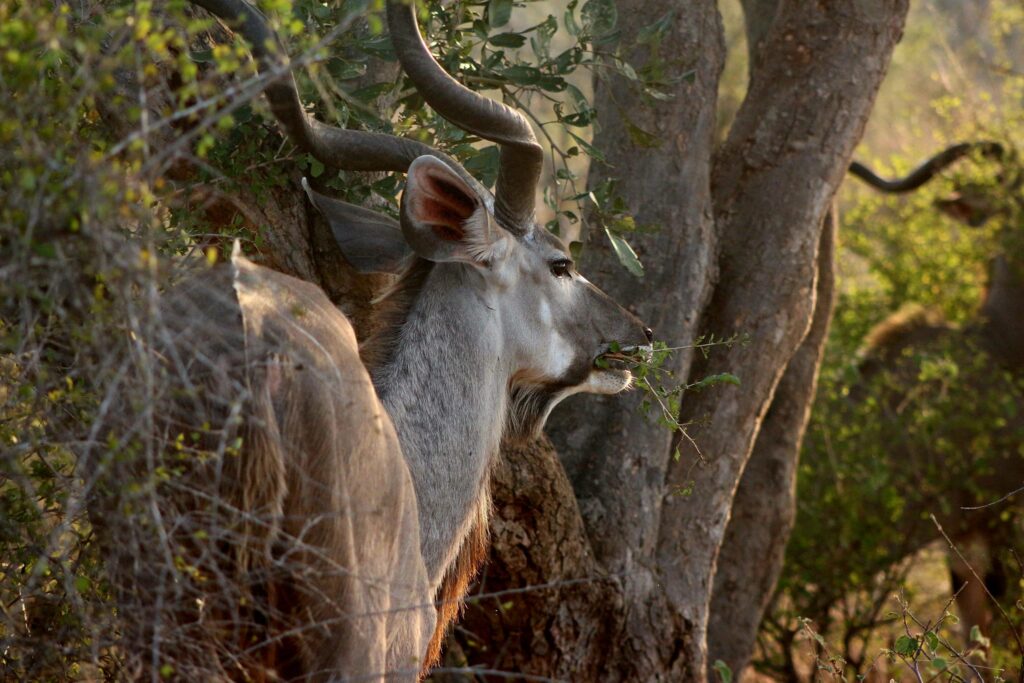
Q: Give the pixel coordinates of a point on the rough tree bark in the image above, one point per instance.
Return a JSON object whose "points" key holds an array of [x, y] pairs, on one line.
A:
{"points": [[764, 509], [606, 618], [804, 112]]}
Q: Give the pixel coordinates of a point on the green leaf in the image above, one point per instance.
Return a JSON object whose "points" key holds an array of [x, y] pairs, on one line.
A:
{"points": [[932, 640], [626, 69], [575, 249], [566, 61], [658, 95], [578, 98], [654, 32], [723, 671], [541, 41], [939, 663], [622, 224], [319, 10], [379, 46], [480, 29], [371, 92], [316, 169], [499, 12], [44, 249], [627, 257], [522, 74], [591, 151], [28, 179], [906, 646], [727, 378], [641, 137], [345, 70], [484, 165], [507, 40], [552, 83], [570, 22]]}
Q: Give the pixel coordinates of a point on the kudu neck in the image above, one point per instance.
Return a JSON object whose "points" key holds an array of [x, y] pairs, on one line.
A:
{"points": [[445, 388], [1003, 310]]}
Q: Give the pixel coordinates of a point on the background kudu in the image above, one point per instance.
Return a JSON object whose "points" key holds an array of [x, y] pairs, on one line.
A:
{"points": [[990, 353], [334, 501]]}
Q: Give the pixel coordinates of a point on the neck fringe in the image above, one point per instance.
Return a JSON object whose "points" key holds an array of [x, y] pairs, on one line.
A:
{"points": [[391, 310]]}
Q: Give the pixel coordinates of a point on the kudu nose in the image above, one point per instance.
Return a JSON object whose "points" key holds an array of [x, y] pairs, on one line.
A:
{"points": [[649, 333]]}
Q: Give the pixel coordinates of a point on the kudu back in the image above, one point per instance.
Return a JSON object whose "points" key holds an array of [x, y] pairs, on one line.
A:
{"points": [[339, 508], [986, 424]]}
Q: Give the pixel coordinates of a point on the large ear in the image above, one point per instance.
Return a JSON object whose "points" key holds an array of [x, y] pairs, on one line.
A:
{"points": [[443, 218], [370, 241]]}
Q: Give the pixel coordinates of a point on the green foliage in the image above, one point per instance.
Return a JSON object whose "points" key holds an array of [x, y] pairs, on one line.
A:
{"points": [[723, 671], [72, 194], [923, 647], [916, 425], [935, 427], [664, 394]]}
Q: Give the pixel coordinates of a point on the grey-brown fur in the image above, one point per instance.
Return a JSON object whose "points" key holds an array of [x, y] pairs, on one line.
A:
{"points": [[309, 538]]}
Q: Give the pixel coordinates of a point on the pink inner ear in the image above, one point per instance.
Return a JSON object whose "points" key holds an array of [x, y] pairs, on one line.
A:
{"points": [[444, 206]]}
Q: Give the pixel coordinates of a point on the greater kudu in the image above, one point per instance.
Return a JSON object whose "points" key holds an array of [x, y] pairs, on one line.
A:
{"points": [[989, 355], [360, 492]]}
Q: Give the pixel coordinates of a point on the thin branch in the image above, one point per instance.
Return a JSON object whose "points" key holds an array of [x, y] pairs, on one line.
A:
{"points": [[1009, 622], [1009, 495]]}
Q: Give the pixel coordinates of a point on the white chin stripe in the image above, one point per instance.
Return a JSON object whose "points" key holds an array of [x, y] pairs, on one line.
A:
{"points": [[607, 381], [597, 382]]}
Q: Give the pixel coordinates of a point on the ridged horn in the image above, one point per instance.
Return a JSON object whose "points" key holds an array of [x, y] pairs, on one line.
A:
{"points": [[521, 157], [927, 170]]}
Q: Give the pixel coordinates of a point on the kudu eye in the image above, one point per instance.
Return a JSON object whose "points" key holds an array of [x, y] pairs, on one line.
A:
{"points": [[561, 267]]}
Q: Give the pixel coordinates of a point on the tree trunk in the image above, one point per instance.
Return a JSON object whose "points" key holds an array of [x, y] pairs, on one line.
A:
{"points": [[758, 17], [764, 508], [792, 139]]}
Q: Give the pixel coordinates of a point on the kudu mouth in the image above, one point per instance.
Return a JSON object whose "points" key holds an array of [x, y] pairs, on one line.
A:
{"points": [[617, 358]]}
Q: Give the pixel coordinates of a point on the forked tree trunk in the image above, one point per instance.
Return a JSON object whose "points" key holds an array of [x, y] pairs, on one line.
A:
{"points": [[774, 179], [764, 509]]}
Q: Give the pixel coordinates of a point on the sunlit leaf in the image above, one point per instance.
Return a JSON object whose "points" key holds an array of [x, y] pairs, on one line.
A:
{"points": [[627, 257]]}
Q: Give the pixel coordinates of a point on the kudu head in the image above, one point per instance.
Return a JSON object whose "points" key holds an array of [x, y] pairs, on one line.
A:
{"points": [[974, 205], [559, 334]]}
